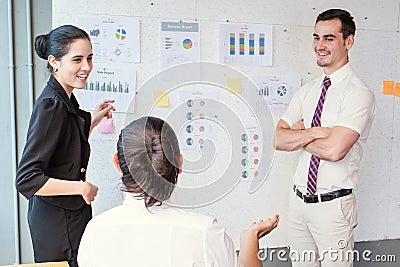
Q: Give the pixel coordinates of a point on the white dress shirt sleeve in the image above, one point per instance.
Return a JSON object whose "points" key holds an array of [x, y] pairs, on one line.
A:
{"points": [[356, 115], [218, 247], [293, 112]]}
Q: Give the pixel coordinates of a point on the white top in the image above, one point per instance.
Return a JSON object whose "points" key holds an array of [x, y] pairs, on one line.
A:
{"points": [[349, 103], [131, 235]]}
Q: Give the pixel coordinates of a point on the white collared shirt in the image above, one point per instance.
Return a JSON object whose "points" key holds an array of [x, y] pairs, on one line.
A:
{"points": [[348, 103], [163, 236]]}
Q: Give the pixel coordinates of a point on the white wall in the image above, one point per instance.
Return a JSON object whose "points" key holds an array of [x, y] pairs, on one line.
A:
{"points": [[375, 57]]}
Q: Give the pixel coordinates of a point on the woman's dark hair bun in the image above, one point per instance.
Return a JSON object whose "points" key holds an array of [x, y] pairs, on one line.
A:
{"points": [[41, 46]]}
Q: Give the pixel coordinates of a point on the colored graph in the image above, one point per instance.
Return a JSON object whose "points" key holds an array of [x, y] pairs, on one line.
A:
{"points": [[251, 44], [168, 43], [190, 103], [231, 43], [187, 43], [120, 34], [245, 40], [245, 44], [241, 43], [94, 32], [262, 44], [244, 137], [244, 162], [244, 149], [189, 115], [189, 128], [281, 91], [108, 87], [189, 141]]}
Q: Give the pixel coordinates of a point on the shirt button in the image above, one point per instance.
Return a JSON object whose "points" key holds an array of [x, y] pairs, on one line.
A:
{"points": [[83, 170]]}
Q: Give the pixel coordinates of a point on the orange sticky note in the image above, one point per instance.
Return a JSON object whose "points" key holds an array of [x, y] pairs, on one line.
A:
{"points": [[235, 85], [397, 89], [161, 98], [388, 87]]}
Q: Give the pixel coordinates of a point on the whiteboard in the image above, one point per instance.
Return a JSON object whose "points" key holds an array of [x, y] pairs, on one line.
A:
{"points": [[375, 57]]}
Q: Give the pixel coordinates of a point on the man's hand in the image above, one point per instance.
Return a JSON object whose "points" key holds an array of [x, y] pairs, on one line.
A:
{"points": [[321, 132], [298, 125]]}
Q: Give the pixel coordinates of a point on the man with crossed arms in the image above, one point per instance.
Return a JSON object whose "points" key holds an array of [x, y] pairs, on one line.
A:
{"points": [[328, 120]]}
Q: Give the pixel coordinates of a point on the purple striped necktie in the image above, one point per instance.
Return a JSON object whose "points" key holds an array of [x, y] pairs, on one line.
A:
{"points": [[314, 162]]}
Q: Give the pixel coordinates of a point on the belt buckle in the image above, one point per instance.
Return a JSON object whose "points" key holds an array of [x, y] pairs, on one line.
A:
{"points": [[310, 198]]}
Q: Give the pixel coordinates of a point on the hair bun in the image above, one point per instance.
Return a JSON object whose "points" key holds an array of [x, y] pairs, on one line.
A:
{"points": [[41, 46]]}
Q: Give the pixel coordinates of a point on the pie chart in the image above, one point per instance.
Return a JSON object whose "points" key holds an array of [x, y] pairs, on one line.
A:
{"points": [[189, 141], [189, 128], [120, 34], [189, 115], [187, 43], [281, 91]]}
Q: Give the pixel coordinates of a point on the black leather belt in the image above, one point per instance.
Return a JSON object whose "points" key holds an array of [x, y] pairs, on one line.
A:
{"points": [[324, 197]]}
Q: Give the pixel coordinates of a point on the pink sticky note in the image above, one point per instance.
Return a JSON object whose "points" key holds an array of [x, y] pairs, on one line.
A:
{"points": [[106, 126]]}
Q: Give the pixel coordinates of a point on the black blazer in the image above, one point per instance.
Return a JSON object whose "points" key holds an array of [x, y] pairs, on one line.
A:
{"points": [[56, 146]]}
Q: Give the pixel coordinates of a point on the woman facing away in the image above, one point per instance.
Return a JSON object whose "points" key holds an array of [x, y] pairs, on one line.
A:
{"points": [[52, 170], [145, 232]]}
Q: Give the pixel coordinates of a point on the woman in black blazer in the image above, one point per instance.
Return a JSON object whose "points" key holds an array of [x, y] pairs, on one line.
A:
{"points": [[52, 170]]}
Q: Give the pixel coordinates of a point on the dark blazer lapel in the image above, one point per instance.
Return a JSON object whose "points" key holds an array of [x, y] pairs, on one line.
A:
{"points": [[79, 120], [71, 104], [60, 92]]}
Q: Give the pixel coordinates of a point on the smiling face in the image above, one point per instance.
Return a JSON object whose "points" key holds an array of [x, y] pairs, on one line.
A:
{"points": [[330, 48], [73, 69]]}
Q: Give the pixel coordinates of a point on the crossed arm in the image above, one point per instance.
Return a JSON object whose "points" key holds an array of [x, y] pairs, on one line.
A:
{"points": [[331, 144]]}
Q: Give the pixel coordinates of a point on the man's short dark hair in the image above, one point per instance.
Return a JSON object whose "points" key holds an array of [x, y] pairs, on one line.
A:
{"points": [[348, 24]]}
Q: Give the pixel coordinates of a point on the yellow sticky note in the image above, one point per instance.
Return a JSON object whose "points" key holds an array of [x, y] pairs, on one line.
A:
{"points": [[397, 89], [388, 87], [161, 98], [235, 85]]}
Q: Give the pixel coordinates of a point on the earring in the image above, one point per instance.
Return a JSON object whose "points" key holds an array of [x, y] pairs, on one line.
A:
{"points": [[55, 70]]}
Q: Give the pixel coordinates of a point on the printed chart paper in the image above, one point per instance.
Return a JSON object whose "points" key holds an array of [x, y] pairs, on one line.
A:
{"points": [[180, 43], [109, 83], [251, 151], [276, 91], [245, 44], [114, 39], [198, 111]]}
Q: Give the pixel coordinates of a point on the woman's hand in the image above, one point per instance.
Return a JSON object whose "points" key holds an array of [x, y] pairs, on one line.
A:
{"points": [[263, 227], [102, 110], [89, 192], [249, 248]]}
